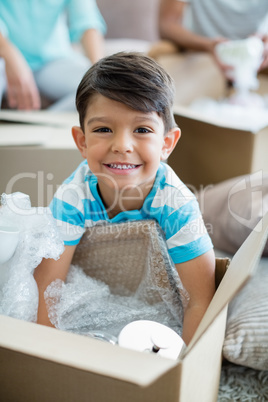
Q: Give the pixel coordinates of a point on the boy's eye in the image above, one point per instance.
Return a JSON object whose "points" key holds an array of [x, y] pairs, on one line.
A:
{"points": [[142, 130], [102, 130]]}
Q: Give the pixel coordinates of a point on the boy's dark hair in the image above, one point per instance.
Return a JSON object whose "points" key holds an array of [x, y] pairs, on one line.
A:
{"points": [[130, 78]]}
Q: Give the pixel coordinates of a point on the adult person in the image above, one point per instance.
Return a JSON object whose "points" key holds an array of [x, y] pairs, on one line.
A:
{"points": [[36, 47], [199, 25]]}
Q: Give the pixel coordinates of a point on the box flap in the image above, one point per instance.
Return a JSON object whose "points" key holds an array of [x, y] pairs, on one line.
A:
{"points": [[35, 135], [44, 117], [254, 128], [242, 267], [82, 352]]}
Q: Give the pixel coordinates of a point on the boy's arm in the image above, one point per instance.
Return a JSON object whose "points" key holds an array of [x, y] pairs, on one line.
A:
{"points": [[48, 271], [198, 278]]}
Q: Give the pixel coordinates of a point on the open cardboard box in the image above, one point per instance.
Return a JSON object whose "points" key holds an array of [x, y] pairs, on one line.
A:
{"points": [[41, 364], [211, 150], [37, 152]]}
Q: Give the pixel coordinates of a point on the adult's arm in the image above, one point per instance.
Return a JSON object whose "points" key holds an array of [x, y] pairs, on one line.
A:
{"points": [[22, 92], [86, 24], [264, 64], [171, 27], [93, 44]]}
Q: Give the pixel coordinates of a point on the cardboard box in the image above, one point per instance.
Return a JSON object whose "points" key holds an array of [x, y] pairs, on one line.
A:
{"points": [[210, 150], [44, 364], [208, 153], [37, 153]]}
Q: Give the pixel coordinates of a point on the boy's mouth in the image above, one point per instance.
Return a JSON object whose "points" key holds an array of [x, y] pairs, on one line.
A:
{"points": [[121, 166]]}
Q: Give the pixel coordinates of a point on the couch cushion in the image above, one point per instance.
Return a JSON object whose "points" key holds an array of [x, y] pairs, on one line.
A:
{"points": [[246, 338], [231, 209]]}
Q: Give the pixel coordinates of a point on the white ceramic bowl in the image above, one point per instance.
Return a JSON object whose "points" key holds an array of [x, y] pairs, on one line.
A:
{"points": [[151, 336]]}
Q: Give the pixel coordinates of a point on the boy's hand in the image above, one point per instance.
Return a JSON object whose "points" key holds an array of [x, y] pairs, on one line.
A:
{"points": [[48, 271]]}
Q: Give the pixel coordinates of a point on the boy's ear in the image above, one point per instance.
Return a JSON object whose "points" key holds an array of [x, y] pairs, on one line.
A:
{"points": [[80, 140], [170, 141]]}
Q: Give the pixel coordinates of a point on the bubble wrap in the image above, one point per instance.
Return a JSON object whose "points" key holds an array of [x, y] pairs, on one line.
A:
{"points": [[120, 273], [38, 239]]}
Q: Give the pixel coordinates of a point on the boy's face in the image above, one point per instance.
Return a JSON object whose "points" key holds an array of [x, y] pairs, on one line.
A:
{"points": [[123, 146]]}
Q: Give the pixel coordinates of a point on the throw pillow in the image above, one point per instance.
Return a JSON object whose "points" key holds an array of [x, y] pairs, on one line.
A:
{"points": [[246, 338], [231, 209]]}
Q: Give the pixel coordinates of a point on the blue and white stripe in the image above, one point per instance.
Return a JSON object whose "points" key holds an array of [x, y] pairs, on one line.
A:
{"points": [[77, 205]]}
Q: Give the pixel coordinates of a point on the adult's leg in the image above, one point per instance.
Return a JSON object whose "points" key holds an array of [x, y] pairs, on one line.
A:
{"points": [[58, 81]]}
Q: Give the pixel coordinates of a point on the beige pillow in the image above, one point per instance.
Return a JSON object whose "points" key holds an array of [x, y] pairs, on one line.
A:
{"points": [[231, 209], [246, 338]]}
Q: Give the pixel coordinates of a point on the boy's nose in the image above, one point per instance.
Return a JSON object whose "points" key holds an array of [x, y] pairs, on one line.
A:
{"points": [[122, 142]]}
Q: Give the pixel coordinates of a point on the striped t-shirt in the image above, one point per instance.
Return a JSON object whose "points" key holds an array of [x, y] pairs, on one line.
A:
{"points": [[78, 205]]}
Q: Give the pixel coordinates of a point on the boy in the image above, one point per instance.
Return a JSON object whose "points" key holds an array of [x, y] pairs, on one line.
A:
{"points": [[126, 129]]}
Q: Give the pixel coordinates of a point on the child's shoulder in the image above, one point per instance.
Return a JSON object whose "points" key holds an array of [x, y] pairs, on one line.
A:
{"points": [[170, 179], [75, 188], [80, 175]]}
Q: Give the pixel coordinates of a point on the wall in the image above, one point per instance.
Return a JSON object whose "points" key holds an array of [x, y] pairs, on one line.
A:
{"points": [[137, 19]]}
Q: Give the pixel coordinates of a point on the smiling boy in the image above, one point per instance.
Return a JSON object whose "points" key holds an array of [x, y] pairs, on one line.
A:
{"points": [[127, 131]]}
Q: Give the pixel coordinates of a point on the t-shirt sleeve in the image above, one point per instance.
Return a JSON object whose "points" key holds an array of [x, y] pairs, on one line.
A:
{"points": [[186, 233], [68, 210], [83, 15]]}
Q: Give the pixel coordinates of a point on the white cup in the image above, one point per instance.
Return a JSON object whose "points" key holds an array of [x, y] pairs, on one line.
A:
{"points": [[9, 238]]}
